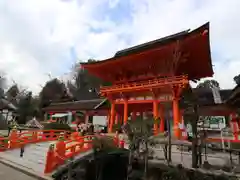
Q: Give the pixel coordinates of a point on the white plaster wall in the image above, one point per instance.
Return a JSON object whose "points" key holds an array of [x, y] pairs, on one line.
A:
{"points": [[100, 120]]}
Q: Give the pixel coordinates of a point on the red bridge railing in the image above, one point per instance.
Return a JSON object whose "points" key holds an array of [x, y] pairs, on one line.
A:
{"points": [[63, 150], [17, 140], [68, 144]]}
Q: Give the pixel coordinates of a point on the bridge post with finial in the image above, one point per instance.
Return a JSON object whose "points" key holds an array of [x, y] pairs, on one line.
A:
{"points": [[50, 159], [61, 148], [13, 137]]}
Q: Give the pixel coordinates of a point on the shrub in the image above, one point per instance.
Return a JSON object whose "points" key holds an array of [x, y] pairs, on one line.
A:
{"points": [[234, 145], [56, 126], [103, 143]]}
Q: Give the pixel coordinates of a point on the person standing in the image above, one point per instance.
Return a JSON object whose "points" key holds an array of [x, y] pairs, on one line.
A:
{"points": [[189, 134]]}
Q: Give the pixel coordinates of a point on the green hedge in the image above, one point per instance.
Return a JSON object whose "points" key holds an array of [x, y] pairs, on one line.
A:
{"points": [[234, 145], [56, 126]]}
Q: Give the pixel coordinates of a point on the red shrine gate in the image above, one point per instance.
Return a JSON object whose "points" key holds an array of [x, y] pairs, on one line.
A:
{"points": [[145, 76]]}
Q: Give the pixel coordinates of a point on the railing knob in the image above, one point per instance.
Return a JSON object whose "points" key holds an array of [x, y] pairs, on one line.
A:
{"points": [[51, 147], [61, 136]]}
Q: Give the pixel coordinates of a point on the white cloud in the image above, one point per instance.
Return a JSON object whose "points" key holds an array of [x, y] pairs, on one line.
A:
{"points": [[36, 36]]}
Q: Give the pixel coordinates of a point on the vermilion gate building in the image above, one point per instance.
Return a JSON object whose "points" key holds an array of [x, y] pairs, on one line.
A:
{"points": [[146, 76]]}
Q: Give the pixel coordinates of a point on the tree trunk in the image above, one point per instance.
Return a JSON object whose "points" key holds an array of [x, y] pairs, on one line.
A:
{"points": [[195, 139], [129, 169], [146, 161], [169, 143]]}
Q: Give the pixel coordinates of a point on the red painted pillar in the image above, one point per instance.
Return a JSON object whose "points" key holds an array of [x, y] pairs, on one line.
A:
{"points": [[50, 160], [13, 138], [161, 115], [61, 149], [121, 118], [125, 112], [117, 118], [176, 118], [155, 114], [50, 113], [86, 117], [112, 116], [234, 125], [108, 120]]}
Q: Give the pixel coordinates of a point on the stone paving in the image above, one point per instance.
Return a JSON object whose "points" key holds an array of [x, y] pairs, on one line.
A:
{"points": [[33, 159], [185, 158]]}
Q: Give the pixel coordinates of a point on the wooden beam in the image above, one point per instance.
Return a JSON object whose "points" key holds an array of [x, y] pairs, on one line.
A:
{"points": [[146, 101], [146, 85]]}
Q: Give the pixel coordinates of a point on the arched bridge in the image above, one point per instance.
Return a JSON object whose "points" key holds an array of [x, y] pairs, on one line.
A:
{"points": [[42, 151]]}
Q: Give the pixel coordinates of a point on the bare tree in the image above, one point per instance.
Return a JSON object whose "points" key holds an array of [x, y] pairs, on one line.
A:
{"points": [[82, 84], [191, 114]]}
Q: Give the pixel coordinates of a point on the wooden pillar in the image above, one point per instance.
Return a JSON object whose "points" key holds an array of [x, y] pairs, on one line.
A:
{"points": [[125, 112], [155, 114], [86, 117], [112, 116], [108, 120], [176, 117], [120, 118], [161, 115], [50, 114], [234, 125], [117, 118]]}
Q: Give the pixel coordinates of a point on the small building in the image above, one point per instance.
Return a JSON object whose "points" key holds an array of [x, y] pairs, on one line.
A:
{"points": [[7, 113], [34, 123], [82, 110], [234, 99], [96, 110]]}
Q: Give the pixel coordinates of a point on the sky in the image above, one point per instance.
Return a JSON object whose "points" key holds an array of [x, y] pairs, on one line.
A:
{"points": [[38, 37]]}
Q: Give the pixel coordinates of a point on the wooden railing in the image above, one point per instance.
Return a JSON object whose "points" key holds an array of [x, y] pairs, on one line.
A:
{"points": [[17, 140], [64, 150], [177, 80], [67, 146]]}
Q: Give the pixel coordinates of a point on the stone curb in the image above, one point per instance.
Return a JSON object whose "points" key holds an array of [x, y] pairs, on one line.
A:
{"points": [[24, 170]]}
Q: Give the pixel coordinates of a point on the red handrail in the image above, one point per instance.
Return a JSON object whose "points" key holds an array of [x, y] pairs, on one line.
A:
{"points": [[16, 139], [150, 83], [64, 150]]}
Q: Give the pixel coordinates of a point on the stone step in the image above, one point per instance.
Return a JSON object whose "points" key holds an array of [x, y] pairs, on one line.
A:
{"points": [[34, 156]]}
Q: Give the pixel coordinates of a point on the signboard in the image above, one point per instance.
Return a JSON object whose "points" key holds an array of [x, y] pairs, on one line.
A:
{"points": [[213, 122]]}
